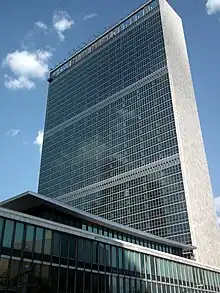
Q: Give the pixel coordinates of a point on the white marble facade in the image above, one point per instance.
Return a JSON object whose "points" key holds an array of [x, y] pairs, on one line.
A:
{"points": [[199, 198]]}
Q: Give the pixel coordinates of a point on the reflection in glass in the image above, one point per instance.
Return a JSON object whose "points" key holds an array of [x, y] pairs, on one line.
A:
{"points": [[53, 279], [7, 239], [29, 238], [47, 243], [56, 243], [72, 247], [13, 277], [19, 231], [4, 263], [38, 240], [62, 280], [94, 283], [64, 245], [71, 281]]}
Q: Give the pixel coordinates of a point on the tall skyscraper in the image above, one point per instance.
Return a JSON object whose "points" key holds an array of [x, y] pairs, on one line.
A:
{"points": [[122, 136]]}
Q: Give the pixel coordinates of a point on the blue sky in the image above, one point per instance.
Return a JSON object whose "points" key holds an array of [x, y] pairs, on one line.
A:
{"points": [[36, 37]]}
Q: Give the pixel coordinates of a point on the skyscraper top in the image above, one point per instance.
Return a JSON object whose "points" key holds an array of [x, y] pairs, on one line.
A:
{"points": [[101, 40]]}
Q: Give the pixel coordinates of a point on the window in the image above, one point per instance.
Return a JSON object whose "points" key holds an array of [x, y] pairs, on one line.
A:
{"points": [[80, 249], [53, 278], [64, 245], [107, 255], [72, 247], [13, 277], [101, 248], [4, 264], [121, 285], [114, 257], [88, 251], [8, 233], [19, 231], [71, 280], [62, 280], [56, 243], [29, 238], [38, 240], [114, 284], [47, 243], [120, 258]]}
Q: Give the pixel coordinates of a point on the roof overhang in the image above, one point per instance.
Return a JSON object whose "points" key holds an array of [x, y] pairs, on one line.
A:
{"points": [[29, 199]]}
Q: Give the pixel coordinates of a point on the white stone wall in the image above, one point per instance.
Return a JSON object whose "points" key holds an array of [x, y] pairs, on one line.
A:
{"points": [[200, 204]]}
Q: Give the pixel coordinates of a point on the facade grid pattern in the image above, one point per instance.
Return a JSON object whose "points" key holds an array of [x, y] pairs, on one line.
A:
{"points": [[63, 263], [129, 131]]}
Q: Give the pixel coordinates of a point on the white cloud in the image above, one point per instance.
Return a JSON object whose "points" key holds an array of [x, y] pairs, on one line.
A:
{"points": [[21, 82], [213, 6], [39, 139], [41, 25], [13, 132], [29, 64], [89, 16], [62, 22], [26, 65]]}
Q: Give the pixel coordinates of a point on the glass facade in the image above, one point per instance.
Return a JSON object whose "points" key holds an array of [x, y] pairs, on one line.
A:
{"points": [[63, 218], [47, 261], [110, 142]]}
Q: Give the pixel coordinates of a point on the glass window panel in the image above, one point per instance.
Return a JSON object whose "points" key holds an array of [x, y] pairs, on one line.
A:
{"points": [[39, 240], [72, 247], [56, 243], [131, 261], [71, 281], [107, 255], [142, 263], [101, 283], [114, 257], [45, 273], [126, 259], [19, 232], [63, 280], [133, 285], [4, 265], [8, 233], [64, 245], [80, 281], [87, 282], [143, 287], [94, 281], [80, 249], [121, 285], [120, 258], [114, 284], [29, 238], [147, 264], [138, 285], [152, 266], [94, 252], [137, 262], [34, 275], [53, 279], [127, 285], [13, 277], [48, 241], [88, 251], [101, 251]]}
